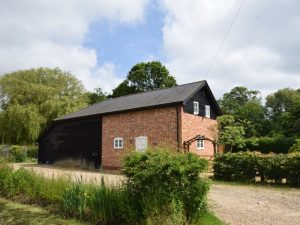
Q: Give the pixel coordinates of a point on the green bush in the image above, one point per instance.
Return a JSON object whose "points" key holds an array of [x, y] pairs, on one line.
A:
{"points": [[295, 147], [161, 188], [74, 201], [277, 144], [18, 153], [249, 166], [158, 178]]}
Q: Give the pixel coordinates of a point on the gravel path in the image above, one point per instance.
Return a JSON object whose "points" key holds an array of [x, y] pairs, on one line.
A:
{"points": [[246, 205], [234, 204]]}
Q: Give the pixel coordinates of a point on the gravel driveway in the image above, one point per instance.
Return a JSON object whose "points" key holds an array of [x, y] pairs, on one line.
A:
{"points": [[247, 205], [234, 204]]}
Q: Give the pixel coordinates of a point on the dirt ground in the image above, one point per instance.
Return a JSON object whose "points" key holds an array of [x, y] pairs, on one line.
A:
{"points": [[247, 205], [234, 204]]}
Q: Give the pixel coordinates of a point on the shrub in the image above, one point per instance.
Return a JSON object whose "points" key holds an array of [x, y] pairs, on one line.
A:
{"points": [[157, 178], [247, 166], [295, 147], [277, 144], [74, 200], [108, 205]]}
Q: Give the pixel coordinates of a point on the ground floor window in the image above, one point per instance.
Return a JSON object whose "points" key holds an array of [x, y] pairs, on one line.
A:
{"points": [[118, 143], [200, 144]]}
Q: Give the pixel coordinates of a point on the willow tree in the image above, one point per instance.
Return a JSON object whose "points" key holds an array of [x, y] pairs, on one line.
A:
{"points": [[30, 99]]}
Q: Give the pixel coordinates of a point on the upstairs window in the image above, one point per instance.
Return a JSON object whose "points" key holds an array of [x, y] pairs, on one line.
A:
{"points": [[196, 108], [207, 111], [118, 143], [200, 144]]}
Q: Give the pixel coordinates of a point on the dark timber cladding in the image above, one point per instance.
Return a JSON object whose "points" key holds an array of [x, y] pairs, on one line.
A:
{"points": [[204, 97], [72, 141]]}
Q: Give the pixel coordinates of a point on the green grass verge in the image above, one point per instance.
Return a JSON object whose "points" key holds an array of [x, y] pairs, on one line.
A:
{"points": [[210, 219], [12, 213]]}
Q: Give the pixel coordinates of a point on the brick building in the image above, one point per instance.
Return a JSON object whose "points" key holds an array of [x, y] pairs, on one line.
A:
{"points": [[182, 118]]}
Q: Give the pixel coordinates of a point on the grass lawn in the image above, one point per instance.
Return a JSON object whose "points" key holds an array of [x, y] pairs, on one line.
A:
{"points": [[211, 219], [12, 213]]}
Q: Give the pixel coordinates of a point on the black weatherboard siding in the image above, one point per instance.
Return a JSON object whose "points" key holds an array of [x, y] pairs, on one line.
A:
{"points": [[76, 140], [204, 98]]}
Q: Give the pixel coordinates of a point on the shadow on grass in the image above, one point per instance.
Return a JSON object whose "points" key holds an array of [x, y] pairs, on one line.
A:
{"points": [[18, 214]]}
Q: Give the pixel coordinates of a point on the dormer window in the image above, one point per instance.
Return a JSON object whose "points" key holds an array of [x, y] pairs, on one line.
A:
{"points": [[196, 108], [207, 111]]}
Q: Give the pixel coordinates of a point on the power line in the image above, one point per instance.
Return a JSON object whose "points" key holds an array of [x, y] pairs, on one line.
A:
{"points": [[225, 37]]}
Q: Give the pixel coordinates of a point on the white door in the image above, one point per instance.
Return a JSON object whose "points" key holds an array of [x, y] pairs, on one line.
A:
{"points": [[141, 143]]}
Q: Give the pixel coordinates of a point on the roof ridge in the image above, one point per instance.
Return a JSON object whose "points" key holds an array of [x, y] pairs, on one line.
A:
{"points": [[147, 92]]}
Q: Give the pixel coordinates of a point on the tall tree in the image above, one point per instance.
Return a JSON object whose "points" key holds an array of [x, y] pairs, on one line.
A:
{"points": [[237, 97], [97, 96], [231, 133], [281, 107], [246, 107], [145, 77], [30, 99]]}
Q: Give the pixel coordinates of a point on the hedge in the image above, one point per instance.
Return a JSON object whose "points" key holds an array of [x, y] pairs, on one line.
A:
{"points": [[18, 153], [257, 167]]}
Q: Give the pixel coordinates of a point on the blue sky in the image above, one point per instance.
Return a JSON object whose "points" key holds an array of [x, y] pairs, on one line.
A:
{"points": [[125, 45], [100, 40]]}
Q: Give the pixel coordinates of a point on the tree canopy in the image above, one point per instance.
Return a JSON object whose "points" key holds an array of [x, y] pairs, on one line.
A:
{"points": [[145, 77], [30, 99]]}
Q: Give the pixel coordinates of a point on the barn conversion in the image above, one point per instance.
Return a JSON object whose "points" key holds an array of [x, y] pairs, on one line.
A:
{"points": [[182, 118]]}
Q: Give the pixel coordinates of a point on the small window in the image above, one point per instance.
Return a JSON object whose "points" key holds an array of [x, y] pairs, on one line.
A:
{"points": [[200, 144], [196, 108], [207, 111], [118, 143]]}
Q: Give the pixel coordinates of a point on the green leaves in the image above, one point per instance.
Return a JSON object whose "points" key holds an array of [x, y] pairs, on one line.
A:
{"points": [[145, 77], [30, 99], [251, 167], [163, 176]]}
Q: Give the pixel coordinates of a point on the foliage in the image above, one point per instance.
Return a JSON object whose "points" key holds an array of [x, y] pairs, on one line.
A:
{"points": [[295, 147], [30, 99], [230, 133], [145, 77], [97, 96], [18, 153], [108, 205], [152, 177], [275, 144], [162, 188], [280, 106], [12, 213], [249, 166], [236, 98], [74, 201]]}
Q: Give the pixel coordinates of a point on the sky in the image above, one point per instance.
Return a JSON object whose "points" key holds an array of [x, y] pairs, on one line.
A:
{"points": [[100, 40]]}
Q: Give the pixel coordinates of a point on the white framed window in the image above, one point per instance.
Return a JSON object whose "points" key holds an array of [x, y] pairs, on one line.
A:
{"points": [[196, 107], [118, 143], [207, 111], [200, 144]]}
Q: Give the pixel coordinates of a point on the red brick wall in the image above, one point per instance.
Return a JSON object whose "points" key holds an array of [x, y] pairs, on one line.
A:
{"points": [[193, 125], [159, 125]]}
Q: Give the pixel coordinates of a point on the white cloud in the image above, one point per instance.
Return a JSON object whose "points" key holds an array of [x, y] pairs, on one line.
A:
{"points": [[51, 33], [261, 51]]}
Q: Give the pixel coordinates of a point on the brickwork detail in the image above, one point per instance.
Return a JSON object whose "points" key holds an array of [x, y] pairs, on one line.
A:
{"points": [[159, 125], [193, 125]]}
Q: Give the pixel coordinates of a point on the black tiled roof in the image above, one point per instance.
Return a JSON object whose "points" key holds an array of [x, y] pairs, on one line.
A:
{"points": [[164, 96]]}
